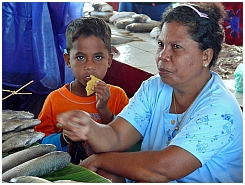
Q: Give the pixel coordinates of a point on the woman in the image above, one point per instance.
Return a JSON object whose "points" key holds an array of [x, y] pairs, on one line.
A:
{"points": [[190, 123]]}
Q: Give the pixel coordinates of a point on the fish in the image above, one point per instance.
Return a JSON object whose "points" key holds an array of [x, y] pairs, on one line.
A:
{"points": [[19, 124], [115, 39], [29, 179], [32, 179], [142, 27], [39, 166], [103, 15], [122, 23], [29, 123], [27, 154], [141, 18], [8, 135], [118, 15], [23, 140], [10, 114]]}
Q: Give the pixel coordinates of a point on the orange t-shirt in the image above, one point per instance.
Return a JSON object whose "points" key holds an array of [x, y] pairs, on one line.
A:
{"points": [[62, 100]]}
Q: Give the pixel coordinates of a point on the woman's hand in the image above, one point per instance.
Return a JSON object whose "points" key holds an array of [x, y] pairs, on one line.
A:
{"points": [[76, 124], [112, 177], [92, 163]]}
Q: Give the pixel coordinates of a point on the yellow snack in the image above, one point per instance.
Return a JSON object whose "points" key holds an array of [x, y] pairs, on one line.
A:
{"points": [[90, 84]]}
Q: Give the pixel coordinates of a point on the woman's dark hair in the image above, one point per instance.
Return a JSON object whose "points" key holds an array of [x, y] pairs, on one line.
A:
{"points": [[207, 32], [85, 27]]}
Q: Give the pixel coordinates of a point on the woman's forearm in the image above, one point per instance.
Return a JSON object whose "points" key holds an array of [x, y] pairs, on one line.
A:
{"points": [[149, 166], [133, 166]]}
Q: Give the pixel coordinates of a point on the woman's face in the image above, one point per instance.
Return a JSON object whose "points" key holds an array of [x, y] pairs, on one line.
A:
{"points": [[179, 59]]}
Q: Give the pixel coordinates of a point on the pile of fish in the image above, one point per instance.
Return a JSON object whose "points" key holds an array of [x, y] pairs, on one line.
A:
{"points": [[102, 10], [34, 161], [133, 22], [130, 21], [229, 58], [17, 130]]}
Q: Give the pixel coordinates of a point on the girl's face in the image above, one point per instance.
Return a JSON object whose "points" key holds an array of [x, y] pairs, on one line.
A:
{"points": [[179, 59], [88, 56]]}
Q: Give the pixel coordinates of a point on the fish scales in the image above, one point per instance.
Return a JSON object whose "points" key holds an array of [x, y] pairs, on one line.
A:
{"points": [[23, 140], [28, 123], [8, 135], [19, 124], [10, 114], [11, 125], [39, 166], [27, 154]]}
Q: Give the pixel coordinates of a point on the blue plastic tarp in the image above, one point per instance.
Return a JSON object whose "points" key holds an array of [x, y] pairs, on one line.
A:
{"points": [[33, 42]]}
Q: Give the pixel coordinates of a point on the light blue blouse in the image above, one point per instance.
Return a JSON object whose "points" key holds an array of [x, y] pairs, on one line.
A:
{"points": [[211, 129]]}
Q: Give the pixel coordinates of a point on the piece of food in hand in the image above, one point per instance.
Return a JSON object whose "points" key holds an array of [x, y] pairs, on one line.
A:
{"points": [[90, 84]]}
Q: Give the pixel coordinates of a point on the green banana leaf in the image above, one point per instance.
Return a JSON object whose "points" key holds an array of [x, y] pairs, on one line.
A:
{"points": [[76, 173], [70, 172]]}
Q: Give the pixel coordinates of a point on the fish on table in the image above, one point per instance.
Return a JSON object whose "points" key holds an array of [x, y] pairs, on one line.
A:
{"points": [[8, 135], [27, 154], [19, 124], [10, 114], [142, 27], [115, 40], [29, 179], [32, 179], [121, 39], [22, 140], [39, 166]]}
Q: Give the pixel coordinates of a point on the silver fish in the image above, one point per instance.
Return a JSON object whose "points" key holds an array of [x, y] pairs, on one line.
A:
{"points": [[19, 124], [39, 166], [10, 125], [23, 140], [142, 27], [27, 154], [7, 135], [141, 18], [121, 24], [115, 39], [29, 123], [10, 114], [29, 179], [103, 15]]}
